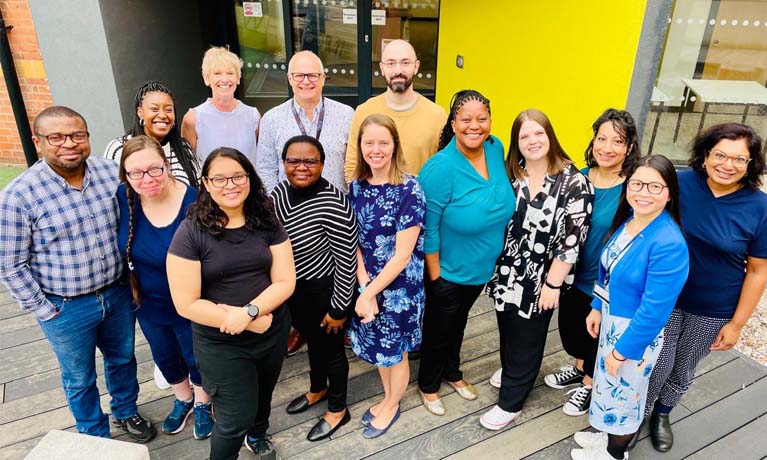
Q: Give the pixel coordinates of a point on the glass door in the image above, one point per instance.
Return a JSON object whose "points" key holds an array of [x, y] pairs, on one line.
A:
{"points": [[348, 35]]}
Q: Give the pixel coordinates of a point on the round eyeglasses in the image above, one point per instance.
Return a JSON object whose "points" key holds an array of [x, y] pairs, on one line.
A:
{"points": [[655, 188], [221, 181]]}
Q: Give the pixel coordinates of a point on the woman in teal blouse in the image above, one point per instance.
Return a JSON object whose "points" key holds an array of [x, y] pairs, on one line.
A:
{"points": [[469, 201]]}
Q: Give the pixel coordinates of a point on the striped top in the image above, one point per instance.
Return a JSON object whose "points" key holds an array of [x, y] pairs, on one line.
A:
{"points": [[323, 234], [114, 151]]}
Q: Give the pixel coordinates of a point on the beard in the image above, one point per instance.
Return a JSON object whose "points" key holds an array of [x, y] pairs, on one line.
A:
{"points": [[399, 87]]}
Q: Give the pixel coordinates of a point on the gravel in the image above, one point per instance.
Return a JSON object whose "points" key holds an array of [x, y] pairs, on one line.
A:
{"points": [[753, 338]]}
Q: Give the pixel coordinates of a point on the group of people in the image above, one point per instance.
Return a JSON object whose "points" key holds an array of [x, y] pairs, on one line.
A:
{"points": [[382, 224]]}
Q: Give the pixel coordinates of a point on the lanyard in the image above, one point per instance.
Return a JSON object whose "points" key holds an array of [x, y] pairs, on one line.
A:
{"points": [[319, 120], [617, 257]]}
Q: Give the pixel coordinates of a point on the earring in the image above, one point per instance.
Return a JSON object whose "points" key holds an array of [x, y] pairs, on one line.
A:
{"points": [[141, 122]]}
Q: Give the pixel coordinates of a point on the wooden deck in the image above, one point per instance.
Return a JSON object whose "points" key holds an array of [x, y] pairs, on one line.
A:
{"points": [[723, 416]]}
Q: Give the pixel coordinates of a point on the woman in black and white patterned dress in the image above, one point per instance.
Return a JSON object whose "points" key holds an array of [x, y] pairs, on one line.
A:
{"points": [[554, 203]]}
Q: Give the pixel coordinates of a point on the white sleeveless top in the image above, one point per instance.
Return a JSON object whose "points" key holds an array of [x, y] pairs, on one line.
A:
{"points": [[235, 129]]}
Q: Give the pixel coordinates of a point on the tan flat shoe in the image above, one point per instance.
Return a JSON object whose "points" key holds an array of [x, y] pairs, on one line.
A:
{"points": [[435, 407], [467, 392]]}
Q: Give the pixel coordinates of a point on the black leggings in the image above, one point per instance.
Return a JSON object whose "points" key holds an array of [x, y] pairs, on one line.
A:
{"points": [[574, 307], [617, 444], [328, 366], [239, 376]]}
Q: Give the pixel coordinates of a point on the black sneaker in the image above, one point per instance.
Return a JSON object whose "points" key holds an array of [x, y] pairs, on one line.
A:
{"points": [[262, 448], [137, 427], [579, 401], [566, 377]]}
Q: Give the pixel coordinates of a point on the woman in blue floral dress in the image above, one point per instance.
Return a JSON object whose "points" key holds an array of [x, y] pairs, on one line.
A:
{"points": [[390, 207]]}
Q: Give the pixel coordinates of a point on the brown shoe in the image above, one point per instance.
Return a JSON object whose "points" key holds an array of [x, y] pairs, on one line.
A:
{"points": [[295, 342]]}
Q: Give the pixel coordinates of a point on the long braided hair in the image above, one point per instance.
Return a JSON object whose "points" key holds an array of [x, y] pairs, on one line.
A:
{"points": [[459, 99], [182, 149], [135, 144]]}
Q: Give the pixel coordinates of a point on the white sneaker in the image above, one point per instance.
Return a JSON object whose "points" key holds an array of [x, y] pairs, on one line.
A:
{"points": [[495, 379], [496, 418], [159, 379], [596, 453], [590, 439]]}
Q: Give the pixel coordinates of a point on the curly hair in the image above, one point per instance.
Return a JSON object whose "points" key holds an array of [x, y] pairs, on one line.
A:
{"points": [[459, 99], [623, 123], [703, 143], [258, 209]]}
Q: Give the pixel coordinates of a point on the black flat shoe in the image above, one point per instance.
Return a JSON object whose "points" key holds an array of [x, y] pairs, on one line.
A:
{"points": [[301, 403], [660, 432], [323, 430]]}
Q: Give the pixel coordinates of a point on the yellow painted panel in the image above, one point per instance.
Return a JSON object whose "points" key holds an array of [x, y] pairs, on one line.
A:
{"points": [[569, 59], [28, 69]]}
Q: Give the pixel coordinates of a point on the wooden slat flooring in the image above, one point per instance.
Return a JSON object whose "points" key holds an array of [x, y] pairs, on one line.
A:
{"points": [[723, 416]]}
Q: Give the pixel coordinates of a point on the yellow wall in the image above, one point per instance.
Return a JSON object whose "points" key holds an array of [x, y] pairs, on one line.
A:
{"points": [[570, 59]]}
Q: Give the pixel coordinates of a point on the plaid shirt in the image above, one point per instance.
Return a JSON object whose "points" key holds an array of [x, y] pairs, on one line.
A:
{"points": [[57, 239]]}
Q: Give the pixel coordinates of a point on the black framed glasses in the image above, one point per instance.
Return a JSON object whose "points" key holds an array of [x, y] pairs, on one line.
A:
{"points": [[299, 77], [221, 181], [655, 188], [308, 162], [151, 172], [57, 139]]}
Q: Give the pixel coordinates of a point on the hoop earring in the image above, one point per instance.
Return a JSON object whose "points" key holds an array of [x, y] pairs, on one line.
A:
{"points": [[141, 122]]}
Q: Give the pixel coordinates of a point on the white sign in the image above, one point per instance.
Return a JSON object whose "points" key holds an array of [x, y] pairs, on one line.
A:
{"points": [[252, 9], [378, 17], [350, 15]]}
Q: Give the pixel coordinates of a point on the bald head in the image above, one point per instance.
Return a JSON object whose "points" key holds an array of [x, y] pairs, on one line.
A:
{"points": [[306, 60], [398, 50]]}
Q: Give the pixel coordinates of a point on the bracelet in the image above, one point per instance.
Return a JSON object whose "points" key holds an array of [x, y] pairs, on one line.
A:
{"points": [[551, 286], [362, 287], [612, 353]]}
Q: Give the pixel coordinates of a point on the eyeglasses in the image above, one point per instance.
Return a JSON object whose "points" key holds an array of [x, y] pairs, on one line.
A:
{"points": [[152, 172], [56, 139], [221, 181], [308, 162], [405, 63], [653, 187], [299, 77], [739, 161]]}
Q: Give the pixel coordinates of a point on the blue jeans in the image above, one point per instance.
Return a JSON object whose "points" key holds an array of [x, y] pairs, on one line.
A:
{"points": [[105, 320], [172, 350]]}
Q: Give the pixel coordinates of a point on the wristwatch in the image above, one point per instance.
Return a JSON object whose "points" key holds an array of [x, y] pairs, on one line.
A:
{"points": [[252, 310]]}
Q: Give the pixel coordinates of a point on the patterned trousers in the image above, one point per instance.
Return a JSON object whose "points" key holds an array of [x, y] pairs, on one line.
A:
{"points": [[687, 340]]}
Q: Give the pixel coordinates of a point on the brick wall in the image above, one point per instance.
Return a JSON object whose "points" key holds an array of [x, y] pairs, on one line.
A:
{"points": [[32, 78]]}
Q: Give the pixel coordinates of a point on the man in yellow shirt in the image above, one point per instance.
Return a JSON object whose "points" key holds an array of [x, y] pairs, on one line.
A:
{"points": [[419, 121]]}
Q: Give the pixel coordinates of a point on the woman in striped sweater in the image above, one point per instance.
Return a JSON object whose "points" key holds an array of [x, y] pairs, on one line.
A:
{"points": [[323, 233]]}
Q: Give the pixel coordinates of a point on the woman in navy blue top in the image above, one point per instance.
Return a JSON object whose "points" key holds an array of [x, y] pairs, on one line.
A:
{"points": [[724, 216], [610, 155], [469, 201], [152, 205], [641, 271]]}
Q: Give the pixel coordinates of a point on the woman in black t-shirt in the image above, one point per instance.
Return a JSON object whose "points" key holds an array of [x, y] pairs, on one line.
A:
{"points": [[230, 269]]}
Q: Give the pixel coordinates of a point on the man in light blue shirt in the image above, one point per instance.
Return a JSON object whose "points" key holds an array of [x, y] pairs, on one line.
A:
{"points": [[309, 113]]}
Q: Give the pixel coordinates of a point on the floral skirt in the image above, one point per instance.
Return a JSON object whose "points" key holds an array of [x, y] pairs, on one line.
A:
{"points": [[618, 403]]}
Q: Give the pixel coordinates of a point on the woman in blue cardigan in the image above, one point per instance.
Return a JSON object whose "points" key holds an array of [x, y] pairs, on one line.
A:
{"points": [[642, 270]]}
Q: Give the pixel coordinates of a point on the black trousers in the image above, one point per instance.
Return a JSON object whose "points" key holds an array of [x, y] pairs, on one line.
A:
{"points": [[328, 366], [574, 307], [240, 377], [444, 321], [522, 343]]}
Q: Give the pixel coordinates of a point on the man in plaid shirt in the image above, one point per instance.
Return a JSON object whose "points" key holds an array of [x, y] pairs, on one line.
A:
{"points": [[59, 260]]}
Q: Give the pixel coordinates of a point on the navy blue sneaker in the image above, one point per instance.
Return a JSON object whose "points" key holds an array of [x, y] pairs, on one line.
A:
{"points": [[203, 421], [176, 420]]}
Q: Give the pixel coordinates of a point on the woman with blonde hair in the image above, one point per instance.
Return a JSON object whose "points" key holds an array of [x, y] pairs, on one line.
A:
{"points": [[222, 120], [390, 207]]}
